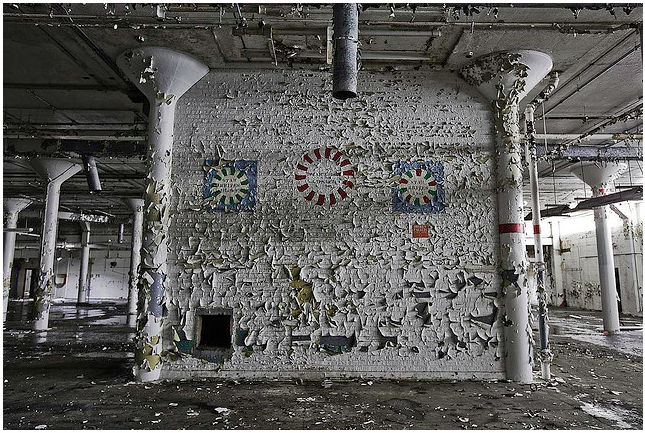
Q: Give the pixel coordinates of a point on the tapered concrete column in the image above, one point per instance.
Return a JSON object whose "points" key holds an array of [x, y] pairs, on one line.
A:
{"points": [[55, 172], [505, 78], [12, 207], [597, 177], [85, 262], [163, 75], [136, 204]]}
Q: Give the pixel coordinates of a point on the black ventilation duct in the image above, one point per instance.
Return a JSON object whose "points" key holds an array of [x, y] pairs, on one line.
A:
{"points": [[345, 50], [91, 173]]}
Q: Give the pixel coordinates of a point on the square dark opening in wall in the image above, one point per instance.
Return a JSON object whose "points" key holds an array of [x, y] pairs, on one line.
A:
{"points": [[215, 331]]}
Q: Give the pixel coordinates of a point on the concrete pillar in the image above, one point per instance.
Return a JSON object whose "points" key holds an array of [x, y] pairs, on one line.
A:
{"points": [[12, 207], [136, 204], [163, 75], [558, 279], [597, 177], [85, 262], [55, 172], [505, 78]]}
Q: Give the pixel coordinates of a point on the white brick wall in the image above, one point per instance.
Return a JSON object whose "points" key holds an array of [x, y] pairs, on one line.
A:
{"points": [[358, 245]]}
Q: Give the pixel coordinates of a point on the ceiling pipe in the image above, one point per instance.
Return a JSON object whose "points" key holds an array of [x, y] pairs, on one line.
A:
{"points": [[597, 177], [345, 50], [70, 216], [91, 173], [73, 246], [18, 230], [385, 55], [582, 137]]}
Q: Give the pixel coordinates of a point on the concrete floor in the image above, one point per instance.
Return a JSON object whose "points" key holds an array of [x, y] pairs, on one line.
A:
{"points": [[78, 376]]}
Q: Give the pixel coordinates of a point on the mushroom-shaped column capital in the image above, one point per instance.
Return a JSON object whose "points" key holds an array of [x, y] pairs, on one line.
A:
{"points": [[16, 204], [507, 75], [597, 176], [54, 170], [161, 73]]}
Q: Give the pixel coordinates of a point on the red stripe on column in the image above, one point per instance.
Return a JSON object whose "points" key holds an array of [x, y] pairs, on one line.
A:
{"points": [[302, 188], [511, 228], [302, 167], [332, 199], [300, 177], [308, 159], [317, 153], [342, 193], [536, 229], [327, 152], [321, 199], [348, 172], [310, 196], [348, 183], [344, 163], [336, 156]]}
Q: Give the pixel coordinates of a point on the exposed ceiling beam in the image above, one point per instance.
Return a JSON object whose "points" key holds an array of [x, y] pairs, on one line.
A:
{"points": [[591, 153]]}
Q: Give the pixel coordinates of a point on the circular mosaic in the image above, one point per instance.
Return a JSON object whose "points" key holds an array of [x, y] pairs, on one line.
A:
{"points": [[418, 186], [324, 175], [229, 186]]}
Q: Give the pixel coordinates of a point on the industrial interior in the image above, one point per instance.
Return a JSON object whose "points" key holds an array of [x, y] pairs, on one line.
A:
{"points": [[316, 216]]}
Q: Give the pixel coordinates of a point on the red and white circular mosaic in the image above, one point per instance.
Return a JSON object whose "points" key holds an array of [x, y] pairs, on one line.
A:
{"points": [[324, 175]]}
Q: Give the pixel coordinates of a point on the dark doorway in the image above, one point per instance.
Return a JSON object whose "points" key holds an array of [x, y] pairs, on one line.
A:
{"points": [[215, 331]]}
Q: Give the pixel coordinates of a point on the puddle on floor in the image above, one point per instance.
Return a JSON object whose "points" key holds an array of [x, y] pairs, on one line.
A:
{"points": [[616, 414], [117, 320]]}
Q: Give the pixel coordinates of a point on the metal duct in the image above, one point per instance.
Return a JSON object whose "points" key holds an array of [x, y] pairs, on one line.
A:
{"points": [[120, 237], [632, 194], [91, 173], [345, 50]]}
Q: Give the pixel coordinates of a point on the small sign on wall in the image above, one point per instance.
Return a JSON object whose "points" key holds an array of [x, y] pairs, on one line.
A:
{"points": [[420, 231]]}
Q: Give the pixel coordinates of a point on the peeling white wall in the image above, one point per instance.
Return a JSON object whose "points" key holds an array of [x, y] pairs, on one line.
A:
{"points": [[580, 259], [408, 303]]}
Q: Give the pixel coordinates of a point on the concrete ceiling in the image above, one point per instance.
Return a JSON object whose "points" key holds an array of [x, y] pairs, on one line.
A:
{"points": [[61, 82]]}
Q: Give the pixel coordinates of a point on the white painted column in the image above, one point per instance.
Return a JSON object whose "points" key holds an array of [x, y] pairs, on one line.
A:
{"points": [[505, 78], [608, 291], [136, 204], [12, 207], [163, 75], [597, 177], [55, 172], [85, 263]]}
